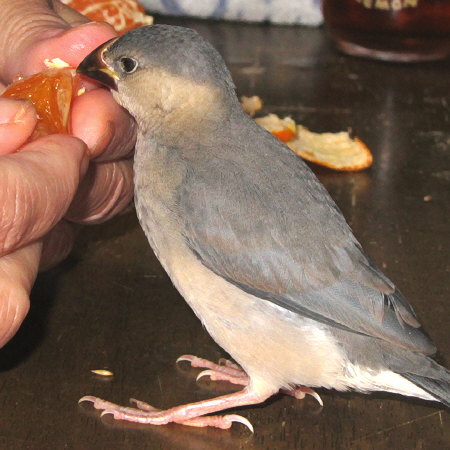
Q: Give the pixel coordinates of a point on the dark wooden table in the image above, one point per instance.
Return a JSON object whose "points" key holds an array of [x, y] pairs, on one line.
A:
{"points": [[110, 305]]}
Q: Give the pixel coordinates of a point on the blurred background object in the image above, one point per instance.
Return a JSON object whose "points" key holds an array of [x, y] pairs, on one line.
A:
{"points": [[305, 12], [391, 30], [123, 15]]}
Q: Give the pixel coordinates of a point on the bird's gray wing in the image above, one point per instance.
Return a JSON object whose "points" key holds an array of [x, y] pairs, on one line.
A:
{"points": [[255, 214]]}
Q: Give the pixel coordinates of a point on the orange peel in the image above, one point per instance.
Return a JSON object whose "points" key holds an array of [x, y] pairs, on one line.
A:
{"points": [[338, 151], [283, 129], [251, 105]]}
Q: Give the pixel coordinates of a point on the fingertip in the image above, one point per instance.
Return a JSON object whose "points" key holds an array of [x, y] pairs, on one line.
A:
{"points": [[105, 191], [17, 121], [110, 133], [14, 307], [71, 45], [17, 271], [76, 146], [56, 245]]}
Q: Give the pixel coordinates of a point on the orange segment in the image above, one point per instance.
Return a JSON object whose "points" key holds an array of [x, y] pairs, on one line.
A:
{"points": [[123, 15], [51, 93]]}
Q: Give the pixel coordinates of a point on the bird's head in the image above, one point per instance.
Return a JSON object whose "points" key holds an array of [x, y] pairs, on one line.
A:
{"points": [[167, 77]]}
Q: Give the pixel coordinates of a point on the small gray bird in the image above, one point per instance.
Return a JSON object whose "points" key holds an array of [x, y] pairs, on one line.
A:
{"points": [[253, 242]]}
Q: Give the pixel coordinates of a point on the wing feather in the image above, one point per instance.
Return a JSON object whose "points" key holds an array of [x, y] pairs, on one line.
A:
{"points": [[273, 230]]}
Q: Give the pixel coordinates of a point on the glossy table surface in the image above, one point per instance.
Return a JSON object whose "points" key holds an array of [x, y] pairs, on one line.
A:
{"points": [[111, 305]]}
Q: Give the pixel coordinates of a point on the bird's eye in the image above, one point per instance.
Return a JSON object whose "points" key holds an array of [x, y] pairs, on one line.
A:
{"points": [[128, 65]]}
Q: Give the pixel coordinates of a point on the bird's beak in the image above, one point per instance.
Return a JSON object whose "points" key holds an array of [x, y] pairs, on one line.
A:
{"points": [[94, 67]]}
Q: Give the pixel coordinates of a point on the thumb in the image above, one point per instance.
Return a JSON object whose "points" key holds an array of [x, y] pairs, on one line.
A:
{"points": [[17, 272], [33, 30], [17, 122]]}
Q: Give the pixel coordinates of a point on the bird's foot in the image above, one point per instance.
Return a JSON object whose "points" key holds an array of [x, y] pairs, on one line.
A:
{"points": [[228, 371], [224, 371], [192, 414]]}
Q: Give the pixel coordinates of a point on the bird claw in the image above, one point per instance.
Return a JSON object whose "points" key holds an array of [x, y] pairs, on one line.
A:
{"points": [[188, 358], [205, 373], [222, 422], [239, 419], [87, 398], [317, 397], [300, 392]]}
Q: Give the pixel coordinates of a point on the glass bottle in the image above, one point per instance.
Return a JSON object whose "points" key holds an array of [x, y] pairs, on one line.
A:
{"points": [[392, 30]]}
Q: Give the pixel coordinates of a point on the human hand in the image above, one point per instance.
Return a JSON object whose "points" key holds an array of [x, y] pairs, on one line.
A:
{"points": [[55, 179]]}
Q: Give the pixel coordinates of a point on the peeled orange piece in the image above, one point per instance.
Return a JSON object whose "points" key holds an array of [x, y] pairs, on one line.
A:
{"points": [[123, 15], [51, 93]]}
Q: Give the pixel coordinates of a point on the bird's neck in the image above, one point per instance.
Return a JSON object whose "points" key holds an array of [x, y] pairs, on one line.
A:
{"points": [[200, 126], [190, 116]]}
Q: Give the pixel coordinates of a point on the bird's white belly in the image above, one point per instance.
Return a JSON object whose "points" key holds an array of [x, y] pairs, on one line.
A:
{"points": [[275, 347]]}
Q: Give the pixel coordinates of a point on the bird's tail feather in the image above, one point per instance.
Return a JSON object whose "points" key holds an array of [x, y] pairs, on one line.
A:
{"points": [[437, 384]]}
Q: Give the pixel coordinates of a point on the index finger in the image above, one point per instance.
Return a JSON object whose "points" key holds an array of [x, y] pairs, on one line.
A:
{"points": [[107, 129], [39, 184]]}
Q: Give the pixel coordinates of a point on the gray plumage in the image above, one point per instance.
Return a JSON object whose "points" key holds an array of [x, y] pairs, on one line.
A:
{"points": [[227, 205]]}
